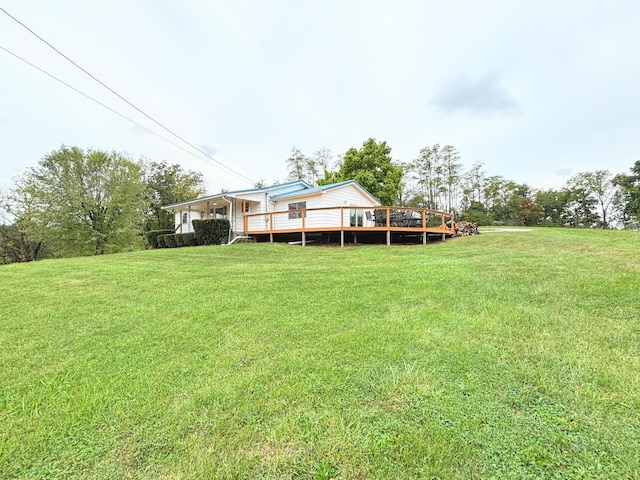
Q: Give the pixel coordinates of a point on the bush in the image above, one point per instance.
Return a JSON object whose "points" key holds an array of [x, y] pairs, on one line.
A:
{"points": [[179, 238], [189, 239], [160, 241], [152, 237], [169, 240], [211, 231]]}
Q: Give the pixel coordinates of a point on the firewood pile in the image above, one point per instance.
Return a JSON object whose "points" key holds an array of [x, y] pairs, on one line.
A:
{"points": [[465, 229]]}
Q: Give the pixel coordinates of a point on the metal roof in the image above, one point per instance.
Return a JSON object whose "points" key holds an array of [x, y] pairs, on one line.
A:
{"points": [[323, 188]]}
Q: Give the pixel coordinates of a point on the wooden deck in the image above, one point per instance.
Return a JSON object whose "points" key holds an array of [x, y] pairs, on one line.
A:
{"points": [[419, 222]]}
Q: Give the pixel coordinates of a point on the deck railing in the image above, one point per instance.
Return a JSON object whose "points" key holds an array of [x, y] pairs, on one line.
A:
{"points": [[350, 218]]}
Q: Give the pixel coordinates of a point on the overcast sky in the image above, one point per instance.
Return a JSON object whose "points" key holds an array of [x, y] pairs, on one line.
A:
{"points": [[537, 90]]}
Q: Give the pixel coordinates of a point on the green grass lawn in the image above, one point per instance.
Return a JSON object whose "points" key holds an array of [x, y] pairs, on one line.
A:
{"points": [[506, 355]]}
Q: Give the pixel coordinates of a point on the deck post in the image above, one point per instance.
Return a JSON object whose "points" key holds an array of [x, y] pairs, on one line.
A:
{"points": [[355, 237], [424, 238], [388, 238], [304, 239], [270, 237], [444, 237], [342, 238]]}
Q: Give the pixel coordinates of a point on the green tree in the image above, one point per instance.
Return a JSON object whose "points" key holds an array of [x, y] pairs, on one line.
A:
{"points": [[452, 172], [427, 172], [581, 205], [471, 184], [628, 198], [83, 202], [168, 184], [16, 245], [554, 205], [476, 213], [17, 240], [372, 167], [296, 165], [323, 159], [588, 193], [599, 186], [530, 212]]}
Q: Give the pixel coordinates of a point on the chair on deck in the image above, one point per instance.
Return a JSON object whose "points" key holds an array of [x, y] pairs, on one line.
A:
{"points": [[370, 218], [380, 217]]}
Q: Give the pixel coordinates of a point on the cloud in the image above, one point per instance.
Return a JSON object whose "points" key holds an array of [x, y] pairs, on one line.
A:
{"points": [[138, 131], [483, 95], [208, 149], [564, 172]]}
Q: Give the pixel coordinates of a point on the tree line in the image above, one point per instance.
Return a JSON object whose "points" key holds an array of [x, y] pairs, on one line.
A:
{"points": [[437, 179], [89, 202]]}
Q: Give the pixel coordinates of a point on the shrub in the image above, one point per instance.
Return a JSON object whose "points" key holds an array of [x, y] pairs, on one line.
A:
{"points": [[189, 239], [160, 241], [152, 237], [170, 240], [211, 231], [179, 238]]}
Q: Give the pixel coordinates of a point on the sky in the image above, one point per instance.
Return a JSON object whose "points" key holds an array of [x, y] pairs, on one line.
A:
{"points": [[537, 91]]}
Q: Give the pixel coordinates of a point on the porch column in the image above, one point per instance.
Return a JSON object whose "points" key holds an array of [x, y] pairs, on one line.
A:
{"points": [[189, 219]]}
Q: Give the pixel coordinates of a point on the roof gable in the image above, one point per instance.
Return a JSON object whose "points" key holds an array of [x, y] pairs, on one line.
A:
{"points": [[324, 188]]}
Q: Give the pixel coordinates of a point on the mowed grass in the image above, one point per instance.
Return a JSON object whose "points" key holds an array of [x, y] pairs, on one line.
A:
{"points": [[506, 355]]}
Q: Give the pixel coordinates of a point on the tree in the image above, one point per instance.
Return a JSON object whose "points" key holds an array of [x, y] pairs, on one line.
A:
{"points": [[324, 159], [296, 165], [310, 169], [530, 212], [628, 198], [17, 242], [167, 184], [494, 190], [373, 168], [16, 245], [83, 202], [472, 183], [590, 191], [451, 172], [599, 185], [580, 210], [554, 205], [427, 171], [476, 213]]}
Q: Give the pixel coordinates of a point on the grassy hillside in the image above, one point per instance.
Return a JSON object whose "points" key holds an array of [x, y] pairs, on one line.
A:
{"points": [[507, 355]]}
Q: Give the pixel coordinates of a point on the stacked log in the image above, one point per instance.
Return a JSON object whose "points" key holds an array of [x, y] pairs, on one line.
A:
{"points": [[465, 229]]}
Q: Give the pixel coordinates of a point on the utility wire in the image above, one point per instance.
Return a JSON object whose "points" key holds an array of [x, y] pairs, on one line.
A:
{"points": [[238, 174], [100, 103]]}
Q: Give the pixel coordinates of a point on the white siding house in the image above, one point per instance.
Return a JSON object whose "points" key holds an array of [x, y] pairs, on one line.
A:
{"points": [[278, 207]]}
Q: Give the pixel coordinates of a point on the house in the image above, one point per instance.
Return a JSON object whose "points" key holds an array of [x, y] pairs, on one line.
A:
{"points": [[297, 208]]}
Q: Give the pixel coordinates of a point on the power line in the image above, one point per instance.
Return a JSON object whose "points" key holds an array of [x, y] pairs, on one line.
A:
{"points": [[229, 169], [102, 104]]}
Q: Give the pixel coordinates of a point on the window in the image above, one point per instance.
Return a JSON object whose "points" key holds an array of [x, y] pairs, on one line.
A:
{"points": [[221, 212], [246, 207], [356, 218], [185, 217], [296, 206]]}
